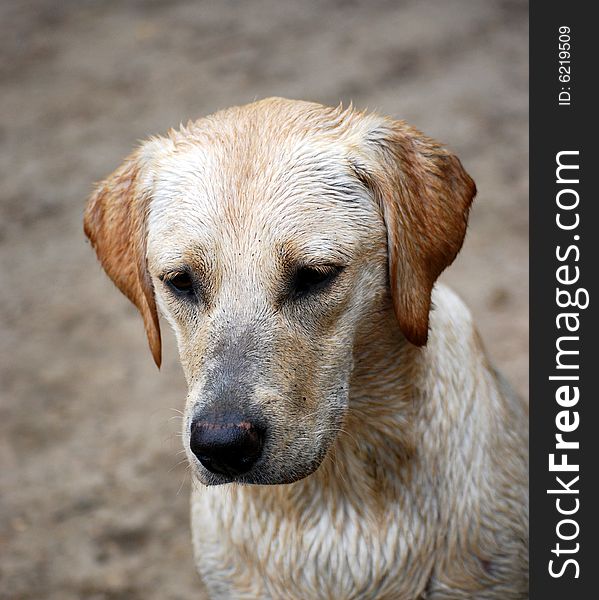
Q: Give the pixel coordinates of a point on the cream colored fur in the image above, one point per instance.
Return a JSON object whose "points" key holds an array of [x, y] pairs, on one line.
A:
{"points": [[396, 461]]}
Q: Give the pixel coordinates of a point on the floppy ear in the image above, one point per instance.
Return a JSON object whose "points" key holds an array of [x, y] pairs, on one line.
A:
{"points": [[425, 195], [115, 223]]}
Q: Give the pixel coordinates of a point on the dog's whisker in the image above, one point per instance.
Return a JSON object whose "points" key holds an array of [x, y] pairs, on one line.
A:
{"points": [[183, 481], [178, 464]]}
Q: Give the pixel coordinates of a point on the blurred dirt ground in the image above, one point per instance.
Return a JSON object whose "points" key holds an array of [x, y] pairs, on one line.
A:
{"points": [[93, 499]]}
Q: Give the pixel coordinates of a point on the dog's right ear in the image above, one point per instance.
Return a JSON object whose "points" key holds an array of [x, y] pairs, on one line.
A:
{"points": [[424, 194], [115, 223]]}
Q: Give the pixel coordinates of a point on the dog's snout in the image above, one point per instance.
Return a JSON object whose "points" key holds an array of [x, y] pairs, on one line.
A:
{"points": [[228, 445]]}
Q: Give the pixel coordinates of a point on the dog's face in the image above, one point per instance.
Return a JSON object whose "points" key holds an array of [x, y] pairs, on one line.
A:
{"points": [[271, 237], [265, 265]]}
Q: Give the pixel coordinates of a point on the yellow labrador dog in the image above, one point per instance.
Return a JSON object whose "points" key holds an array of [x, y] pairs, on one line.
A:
{"points": [[349, 438]]}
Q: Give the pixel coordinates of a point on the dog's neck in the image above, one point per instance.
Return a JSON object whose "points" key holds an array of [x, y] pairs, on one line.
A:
{"points": [[377, 436]]}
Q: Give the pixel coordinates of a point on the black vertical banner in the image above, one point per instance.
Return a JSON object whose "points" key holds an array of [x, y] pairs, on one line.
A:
{"points": [[564, 251]]}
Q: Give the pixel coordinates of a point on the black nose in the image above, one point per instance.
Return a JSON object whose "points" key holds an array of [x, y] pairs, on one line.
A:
{"points": [[227, 445]]}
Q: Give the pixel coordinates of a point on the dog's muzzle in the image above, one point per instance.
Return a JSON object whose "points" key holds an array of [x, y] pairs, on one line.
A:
{"points": [[228, 445]]}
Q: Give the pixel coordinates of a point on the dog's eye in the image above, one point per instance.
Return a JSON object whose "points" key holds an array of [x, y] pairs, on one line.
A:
{"points": [[311, 279], [181, 282]]}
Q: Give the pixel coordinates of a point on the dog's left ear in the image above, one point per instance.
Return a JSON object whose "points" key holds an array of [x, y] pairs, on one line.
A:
{"points": [[425, 196], [115, 223]]}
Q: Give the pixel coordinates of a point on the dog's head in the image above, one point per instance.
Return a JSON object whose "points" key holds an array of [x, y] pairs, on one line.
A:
{"points": [[272, 236]]}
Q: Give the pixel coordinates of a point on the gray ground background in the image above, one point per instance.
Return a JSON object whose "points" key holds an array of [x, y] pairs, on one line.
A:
{"points": [[93, 504]]}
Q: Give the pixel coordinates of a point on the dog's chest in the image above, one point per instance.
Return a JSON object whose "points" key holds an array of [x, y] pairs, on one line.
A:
{"points": [[248, 549]]}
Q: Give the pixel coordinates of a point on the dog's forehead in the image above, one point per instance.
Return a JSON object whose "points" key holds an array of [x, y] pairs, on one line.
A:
{"points": [[244, 187]]}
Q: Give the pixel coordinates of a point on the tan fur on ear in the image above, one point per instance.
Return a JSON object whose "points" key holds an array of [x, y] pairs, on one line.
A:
{"points": [[425, 195], [115, 223]]}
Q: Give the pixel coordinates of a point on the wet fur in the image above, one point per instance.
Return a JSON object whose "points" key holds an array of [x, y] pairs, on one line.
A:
{"points": [[400, 458]]}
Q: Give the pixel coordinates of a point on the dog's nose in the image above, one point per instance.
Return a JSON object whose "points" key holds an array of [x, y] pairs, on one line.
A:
{"points": [[227, 446]]}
